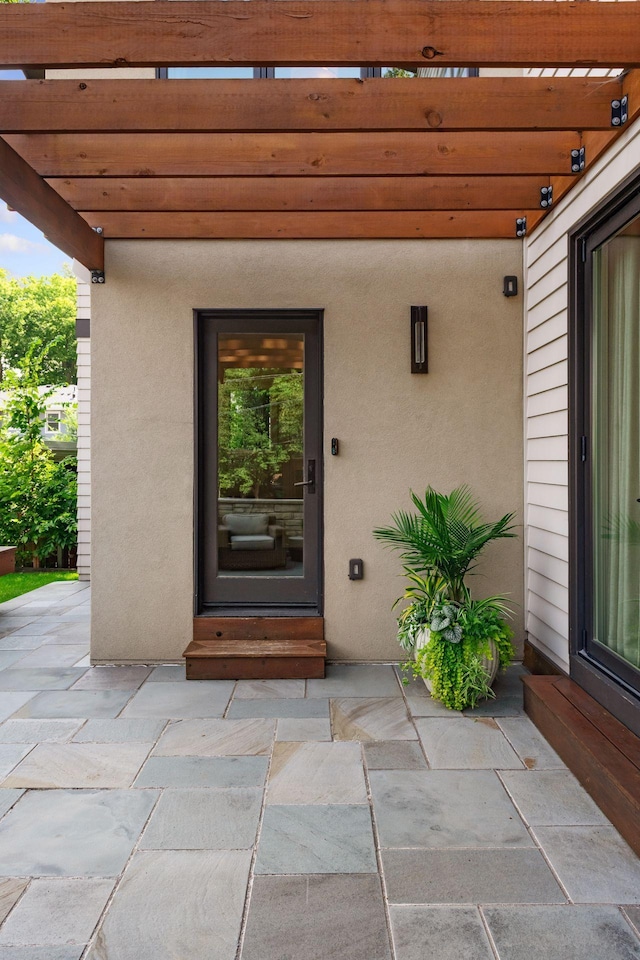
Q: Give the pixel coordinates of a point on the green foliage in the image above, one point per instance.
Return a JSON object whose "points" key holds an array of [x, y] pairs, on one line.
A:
{"points": [[445, 537], [393, 72], [260, 414], [15, 584], [440, 545], [37, 495], [39, 308]]}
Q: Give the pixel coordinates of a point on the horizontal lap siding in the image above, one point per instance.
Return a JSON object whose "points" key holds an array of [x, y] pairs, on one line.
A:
{"points": [[84, 437], [546, 406]]}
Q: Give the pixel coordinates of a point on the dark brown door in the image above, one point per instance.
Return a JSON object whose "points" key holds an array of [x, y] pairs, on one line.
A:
{"points": [[260, 461]]}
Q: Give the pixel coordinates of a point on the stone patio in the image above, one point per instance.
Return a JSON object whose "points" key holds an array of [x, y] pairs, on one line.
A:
{"points": [[144, 817]]}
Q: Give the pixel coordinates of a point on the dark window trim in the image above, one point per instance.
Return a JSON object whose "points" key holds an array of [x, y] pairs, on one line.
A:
{"points": [[603, 679]]}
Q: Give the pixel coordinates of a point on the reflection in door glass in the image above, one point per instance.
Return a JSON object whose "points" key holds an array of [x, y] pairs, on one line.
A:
{"points": [[260, 455], [616, 443]]}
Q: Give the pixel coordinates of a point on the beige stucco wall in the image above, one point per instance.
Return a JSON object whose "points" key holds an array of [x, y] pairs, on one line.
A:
{"points": [[461, 423]]}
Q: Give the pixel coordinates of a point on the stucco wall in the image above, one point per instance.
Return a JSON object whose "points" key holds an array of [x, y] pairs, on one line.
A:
{"points": [[461, 423]]}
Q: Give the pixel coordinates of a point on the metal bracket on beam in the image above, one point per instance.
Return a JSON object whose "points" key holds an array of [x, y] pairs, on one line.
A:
{"points": [[97, 276], [521, 227], [619, 111], [546, 197], [578, 159]]}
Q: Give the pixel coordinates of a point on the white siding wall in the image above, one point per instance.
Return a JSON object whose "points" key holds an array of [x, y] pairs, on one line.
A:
{"points": [[84, 434], [546, 468]]}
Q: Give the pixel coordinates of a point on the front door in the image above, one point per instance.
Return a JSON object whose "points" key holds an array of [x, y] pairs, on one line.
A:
{"points": [[260, 462]]}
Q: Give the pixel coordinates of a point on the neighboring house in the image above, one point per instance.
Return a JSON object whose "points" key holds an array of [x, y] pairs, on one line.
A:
{"points": [[234, 261], [58, 429]]}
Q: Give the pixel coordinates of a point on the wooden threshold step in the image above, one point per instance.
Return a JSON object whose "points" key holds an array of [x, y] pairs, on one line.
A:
{"points": [[599, 750], [250, 659]]}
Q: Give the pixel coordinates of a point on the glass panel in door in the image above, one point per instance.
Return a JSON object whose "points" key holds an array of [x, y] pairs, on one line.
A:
{"points": [[615, 404]]}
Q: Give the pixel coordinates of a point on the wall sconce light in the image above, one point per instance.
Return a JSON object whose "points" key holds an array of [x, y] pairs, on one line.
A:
{"points": [[510, 288], [419, 340]]}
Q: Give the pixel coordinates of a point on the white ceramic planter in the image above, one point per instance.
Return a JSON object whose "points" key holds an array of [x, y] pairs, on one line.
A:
{"points": [[491, 666]]}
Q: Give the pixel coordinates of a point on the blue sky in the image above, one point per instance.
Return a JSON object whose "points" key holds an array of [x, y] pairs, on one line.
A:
{"points": [[24, 250]]}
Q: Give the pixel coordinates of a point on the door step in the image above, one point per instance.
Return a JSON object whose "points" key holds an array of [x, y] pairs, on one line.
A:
{"points": [[256, 648]]}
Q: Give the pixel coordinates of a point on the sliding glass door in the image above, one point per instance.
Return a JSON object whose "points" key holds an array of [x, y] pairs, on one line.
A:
{"points": [[606, 448]]}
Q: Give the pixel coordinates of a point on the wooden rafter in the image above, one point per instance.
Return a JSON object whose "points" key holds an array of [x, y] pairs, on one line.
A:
{"points": [[235, 106], [307, 32], [300, 193], [297, 154], [23, 190], [321, 225]]}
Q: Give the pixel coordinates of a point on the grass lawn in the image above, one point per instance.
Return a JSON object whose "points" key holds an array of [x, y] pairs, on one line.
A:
{"points": [[15, 584]]}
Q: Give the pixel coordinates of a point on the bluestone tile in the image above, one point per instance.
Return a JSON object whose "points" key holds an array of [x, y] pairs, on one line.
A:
{"points": [[300, 729], [278, 708], [316, 839], [39, 678], [9, 657], [48, 655], [561, 933], [13, 641], [444, 808], [197, 819], [176, 904], [175, 700], [216, 738], [11, 702], [79, 765], [10, 892], [529, 744], [316, 773], [10, 756], [8, 798], [394, 755], [594, 864], [356, 680], [56, 912], [203, 772], [72, 833], [67, 952], [469, 876], [38, 731], [269, 689], [551, 797], [465, 744], [120, 731], [75, 703], [445, 933], [168, 672], [314, 917], [112, 678], [366, 718]]}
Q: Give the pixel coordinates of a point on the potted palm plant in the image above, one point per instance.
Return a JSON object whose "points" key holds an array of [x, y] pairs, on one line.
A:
{"points": [[457, 642]]}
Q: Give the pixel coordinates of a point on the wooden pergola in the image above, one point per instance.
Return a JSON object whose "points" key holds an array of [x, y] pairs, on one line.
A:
{"points": [[314, 158]]}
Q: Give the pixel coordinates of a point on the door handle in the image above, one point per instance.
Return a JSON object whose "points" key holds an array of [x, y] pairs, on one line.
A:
{"points": [[310, 482]]}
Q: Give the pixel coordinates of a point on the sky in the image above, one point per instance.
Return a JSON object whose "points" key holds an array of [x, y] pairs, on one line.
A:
{"points": [[24, 251]]}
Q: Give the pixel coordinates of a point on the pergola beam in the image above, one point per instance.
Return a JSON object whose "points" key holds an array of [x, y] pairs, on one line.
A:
{"points": [[212, 194], [235, 106], [327, 225], [297, 154], [308, 32], [22, 189]]}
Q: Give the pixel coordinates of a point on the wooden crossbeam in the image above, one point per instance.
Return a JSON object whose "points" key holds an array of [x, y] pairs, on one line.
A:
{"points": [[597, 143], [296, 154], [300, 32], [433, 104], [35, 200], [300, 193], [289, 226]]}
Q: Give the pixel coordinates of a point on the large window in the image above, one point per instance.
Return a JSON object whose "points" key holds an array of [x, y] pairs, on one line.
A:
{"points": [[606, 456]]}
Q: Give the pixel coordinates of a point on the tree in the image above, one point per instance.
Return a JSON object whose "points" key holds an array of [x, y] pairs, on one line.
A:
{"points": [[44, 309], [37, 494]]}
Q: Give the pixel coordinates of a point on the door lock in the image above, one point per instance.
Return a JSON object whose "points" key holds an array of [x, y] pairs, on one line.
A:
{"points": [[310, 482]]}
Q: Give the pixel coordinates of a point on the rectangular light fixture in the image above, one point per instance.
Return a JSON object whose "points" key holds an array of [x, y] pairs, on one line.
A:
{"points": [[419, 340]]}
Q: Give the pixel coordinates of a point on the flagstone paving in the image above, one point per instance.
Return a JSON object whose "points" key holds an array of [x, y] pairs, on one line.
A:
{"points": [[144, 817]]}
